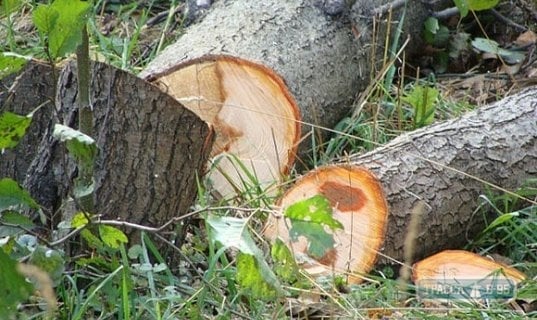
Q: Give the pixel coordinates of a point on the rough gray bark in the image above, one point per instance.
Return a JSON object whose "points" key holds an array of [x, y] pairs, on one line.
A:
{"points": [[151, 148], [22, 94], [442, 165], [324, 60]]}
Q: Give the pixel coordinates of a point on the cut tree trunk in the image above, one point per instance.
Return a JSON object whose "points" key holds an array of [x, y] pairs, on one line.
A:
{"points": [[255, 119], [463, 275], [152, 149], [324, 59], [357, 202], [445, 166]]}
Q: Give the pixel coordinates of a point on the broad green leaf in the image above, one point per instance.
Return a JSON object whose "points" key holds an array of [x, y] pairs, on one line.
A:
{"points": [[9, 6], [233, 232], [81, 190], [13, 196], [79, 220], [67, 32], [45, 18], [17, 220], [111, 236], [50, 261], [319, 241], [10, 64], [249, 277], [423, 101], [12, 129], [79, 145], [462, 5], [91, 239], [431, 26], [491, 46], [316, 209], [284, 263], [478, 5], [14, 288]]}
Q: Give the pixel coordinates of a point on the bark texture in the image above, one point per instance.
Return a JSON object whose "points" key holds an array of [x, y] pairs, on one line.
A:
{"points": [[323, 55], [444, 165], [151, 148], [22, 94]]}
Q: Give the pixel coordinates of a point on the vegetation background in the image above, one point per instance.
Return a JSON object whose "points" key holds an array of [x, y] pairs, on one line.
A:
{"points": [[115, 279]]}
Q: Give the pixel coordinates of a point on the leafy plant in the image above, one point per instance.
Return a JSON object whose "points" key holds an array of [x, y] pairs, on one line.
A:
{"points": [[423, 100]]}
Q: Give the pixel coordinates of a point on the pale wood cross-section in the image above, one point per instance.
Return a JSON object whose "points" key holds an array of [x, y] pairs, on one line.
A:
{"points": [[255, 118], [357, 201]]}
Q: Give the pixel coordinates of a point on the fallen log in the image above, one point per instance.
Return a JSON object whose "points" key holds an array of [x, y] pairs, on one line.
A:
{"points": [[321, 52], [446, 166]]}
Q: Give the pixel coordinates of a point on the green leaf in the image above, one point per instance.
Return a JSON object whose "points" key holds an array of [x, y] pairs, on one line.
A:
{"points": [[10, 64], [13, 196], [250, 277], [462, 5], [14, 288], [9, 6], [45, 18], [15, 219], [284, 263], [316, 209], [479, 5], [79, 145], [79, 220], [91, 239], [423, 100], [60, 23], [430, 27], [67, 32], [319, 241], [111, 236], [233, 232], [12, 129], [491, 46], [50, 261]]}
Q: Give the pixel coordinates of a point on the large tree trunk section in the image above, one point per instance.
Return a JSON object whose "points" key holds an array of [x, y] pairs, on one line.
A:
{"points": [[323, 59], [447, 166], [255, 119], [151, 149]]}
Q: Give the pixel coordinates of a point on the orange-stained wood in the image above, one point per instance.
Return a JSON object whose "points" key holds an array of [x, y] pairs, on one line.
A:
{"points": [[255, 118], [358, 202], [460, 264]]}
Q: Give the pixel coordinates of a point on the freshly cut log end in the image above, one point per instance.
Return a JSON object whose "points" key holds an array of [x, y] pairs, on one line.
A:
{"points": [[450, 268], [256, 119], [358, 202]]}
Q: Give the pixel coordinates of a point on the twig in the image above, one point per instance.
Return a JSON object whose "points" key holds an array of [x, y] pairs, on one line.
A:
{"points": [[446, 13], [163, 14], [389, 6], [508, 21]]}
